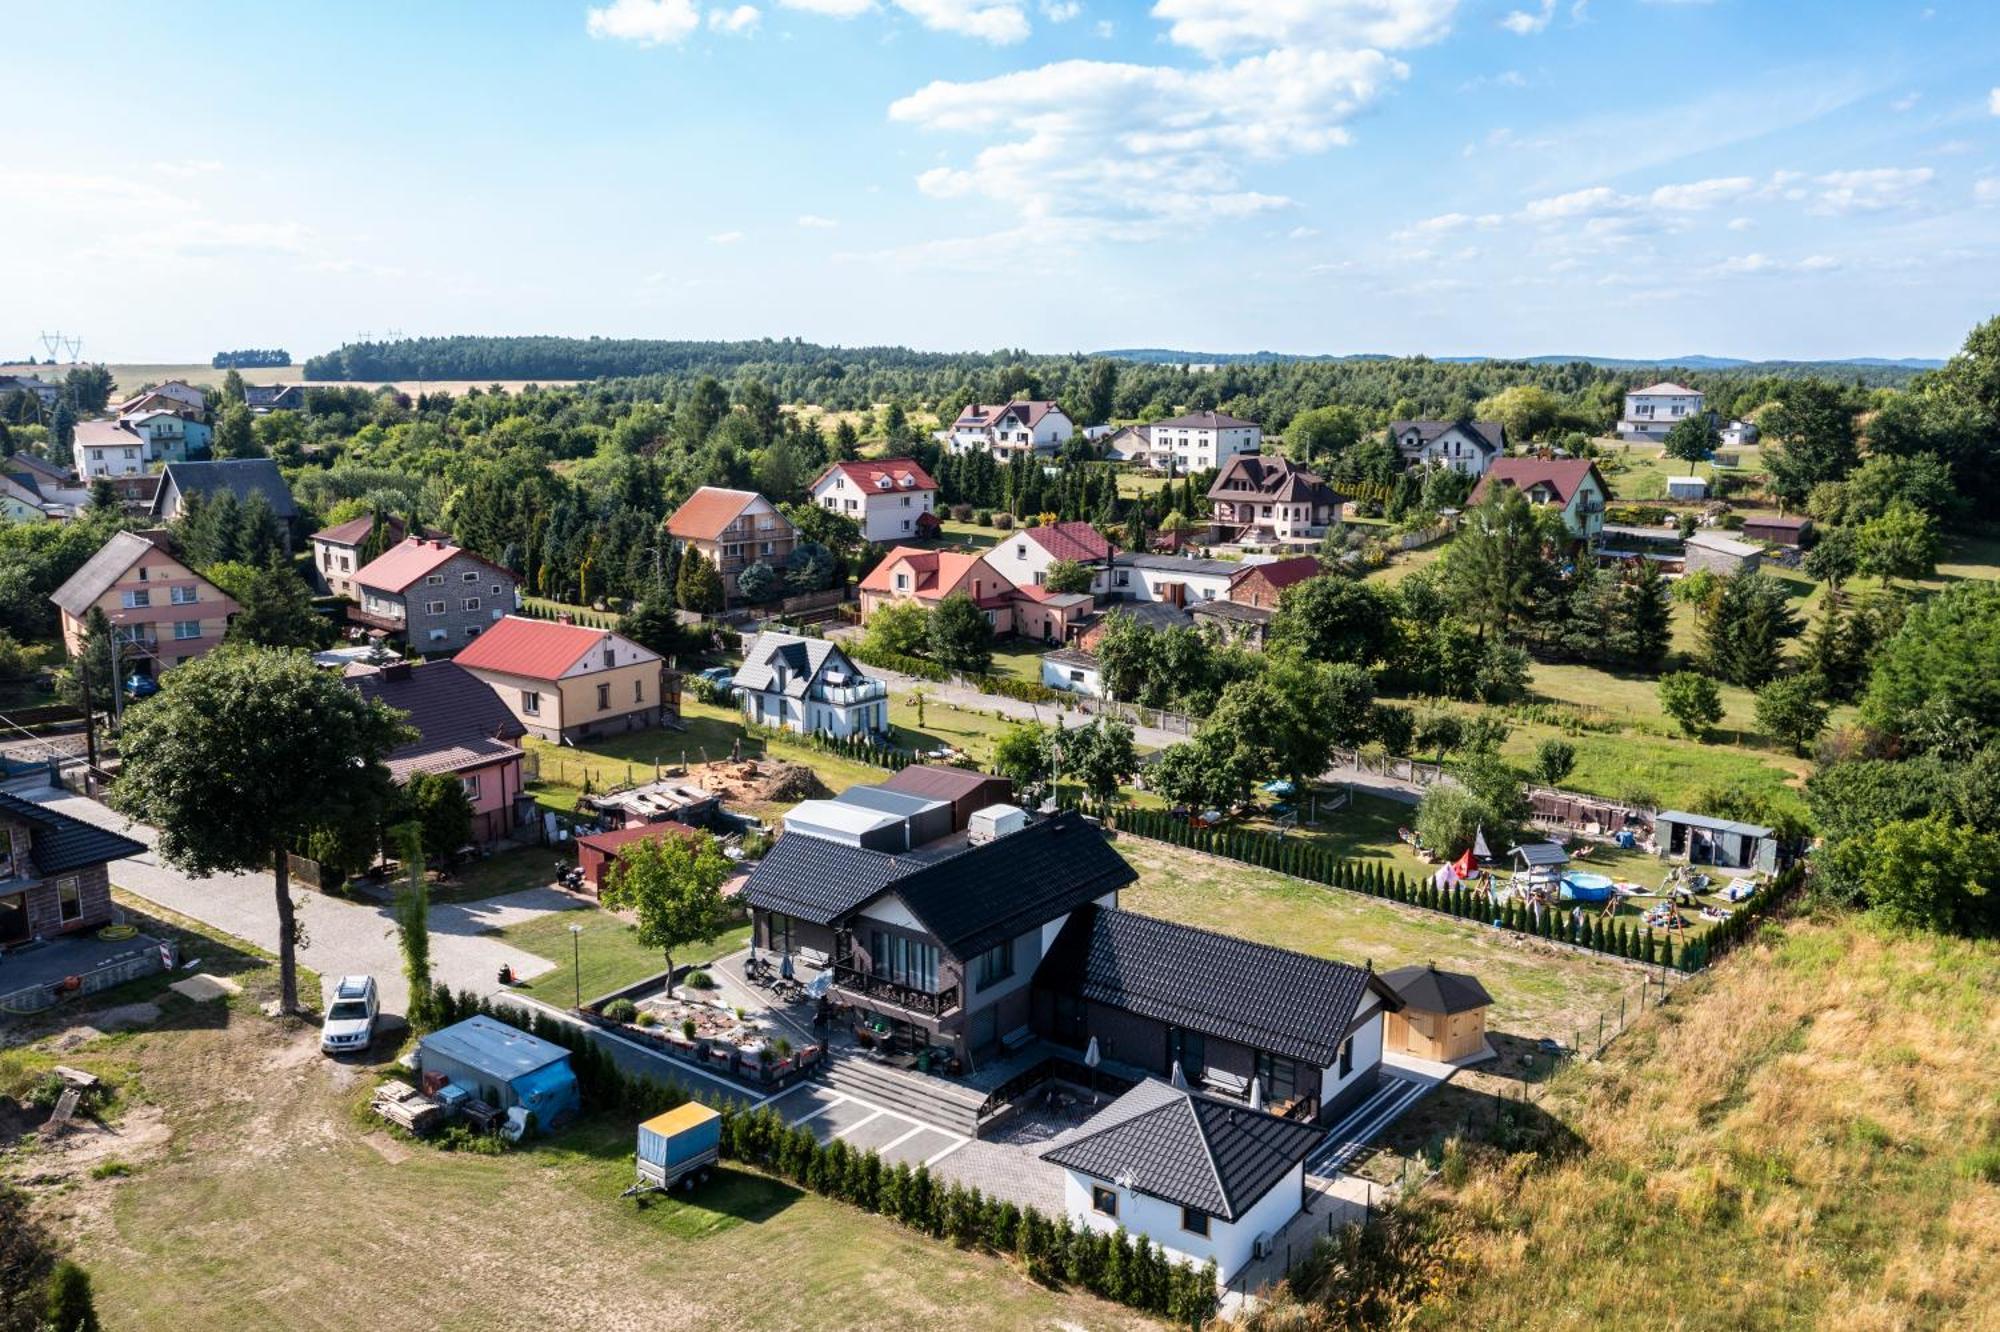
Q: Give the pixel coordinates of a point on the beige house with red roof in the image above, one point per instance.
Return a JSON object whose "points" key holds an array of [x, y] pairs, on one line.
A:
{"points": [[161, 611], [1243, 614], [566, 682], [733, 529], [1572, 484], [1010, 429], [336, 551], [927, 577], [1025, 557], [435, 596], [892, 499]]}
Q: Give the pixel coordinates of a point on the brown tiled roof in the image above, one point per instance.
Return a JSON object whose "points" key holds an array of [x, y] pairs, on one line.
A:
{"points": [[1562, 475], [708, 511], [1075, 540], [407, 561]]}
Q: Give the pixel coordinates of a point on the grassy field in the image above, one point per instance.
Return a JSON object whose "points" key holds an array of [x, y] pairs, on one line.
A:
{"points": [[1638, 471], [127, 379], [251, 1193], [608, 948], [497, 875], [1805, 1137]]}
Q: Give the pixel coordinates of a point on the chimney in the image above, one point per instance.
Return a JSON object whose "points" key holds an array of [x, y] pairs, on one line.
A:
{"points": [[396, 670]]}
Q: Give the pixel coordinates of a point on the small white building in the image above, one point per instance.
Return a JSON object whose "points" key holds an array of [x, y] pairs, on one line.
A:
{"points": [[111, 448], [1652, 411], [1687, 488], [1201, 440], [810, 686], [1203, 1177], [1738, 433], [1073, 671], [1009, 429], [890, 498]]}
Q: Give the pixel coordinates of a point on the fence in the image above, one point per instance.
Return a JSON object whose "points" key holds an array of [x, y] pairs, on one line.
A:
{"points": [[1315, 864], [144, 959], [1415, 772]]}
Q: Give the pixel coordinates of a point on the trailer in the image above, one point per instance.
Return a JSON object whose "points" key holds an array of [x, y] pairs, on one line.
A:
{"points": [[678, 1148]]}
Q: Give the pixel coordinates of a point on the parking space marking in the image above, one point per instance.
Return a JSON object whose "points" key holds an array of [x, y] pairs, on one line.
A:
{"points": [[891, 1145], [865, 1119], [841, 1098], [946, 1152]]}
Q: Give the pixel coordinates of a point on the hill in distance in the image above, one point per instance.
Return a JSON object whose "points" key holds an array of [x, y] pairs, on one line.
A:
{"points": [[1168, 356]]}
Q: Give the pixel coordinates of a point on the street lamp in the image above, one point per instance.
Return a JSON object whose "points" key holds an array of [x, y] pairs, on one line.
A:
{"points": [[576, 962]]}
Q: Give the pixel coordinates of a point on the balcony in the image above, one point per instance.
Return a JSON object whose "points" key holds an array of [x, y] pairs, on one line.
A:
{"points": [[865, 985], [847, 696]]}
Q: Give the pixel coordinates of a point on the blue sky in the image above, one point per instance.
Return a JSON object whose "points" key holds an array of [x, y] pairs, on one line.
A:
{"points": [[1508, 177]]}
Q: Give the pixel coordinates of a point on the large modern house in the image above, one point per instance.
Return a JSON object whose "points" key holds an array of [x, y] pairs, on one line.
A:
{"points": [[1464, 446], [1201, 440], [435, 596], [733, 529], [1010, 429], [809, 685], [54, 872], [1273, 501], [1652, 411], [892, 499], [1571, 484]]}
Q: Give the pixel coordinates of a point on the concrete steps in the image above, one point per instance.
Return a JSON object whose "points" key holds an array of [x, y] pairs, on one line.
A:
{"points": [[928, 1100]]}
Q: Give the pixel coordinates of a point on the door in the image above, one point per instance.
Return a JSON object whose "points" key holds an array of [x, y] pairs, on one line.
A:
{"points": [[14, 919]]}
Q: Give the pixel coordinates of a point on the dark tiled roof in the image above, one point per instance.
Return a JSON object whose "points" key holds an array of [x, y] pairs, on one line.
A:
{"points": [[1205, 421], [100, 572], [1231, 610], [818, 880], [1188, 1148], [245, 476], [60, 843], [1435, 991], [461, 722], [938, 782], [1256, 995], [992, 893], [803, 658], [1490, 433]]}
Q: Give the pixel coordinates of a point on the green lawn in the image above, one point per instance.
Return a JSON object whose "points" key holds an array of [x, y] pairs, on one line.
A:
{"points": [[1638, 472], [608, 948], [507, 872]]}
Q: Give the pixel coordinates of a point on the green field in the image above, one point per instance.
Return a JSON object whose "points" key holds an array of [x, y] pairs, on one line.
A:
{"points": [[608, 948]]}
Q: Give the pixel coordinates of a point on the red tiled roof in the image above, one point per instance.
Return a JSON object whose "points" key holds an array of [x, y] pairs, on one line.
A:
{"points": [[609, 842], [1562, 475], [407, 561], [1281, 574], [932, 572], [1076, 540], [708, 511], [536, 649], [884, 476]]}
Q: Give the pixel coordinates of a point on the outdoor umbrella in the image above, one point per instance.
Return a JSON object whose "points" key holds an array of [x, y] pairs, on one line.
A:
{"points": [[820, 985], [785, 965], [1091, 1059], [1179, 1079], [1256, 1093]]}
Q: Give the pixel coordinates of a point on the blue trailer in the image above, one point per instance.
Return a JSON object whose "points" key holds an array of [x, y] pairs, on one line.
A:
{"points": [[679, 1147]]}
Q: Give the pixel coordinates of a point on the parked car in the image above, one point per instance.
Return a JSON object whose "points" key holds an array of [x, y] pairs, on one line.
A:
{"points": [[350, 1018], [141, 686], [720, 676]]}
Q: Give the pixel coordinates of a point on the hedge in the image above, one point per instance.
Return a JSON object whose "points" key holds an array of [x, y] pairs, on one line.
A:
{"points": [[1007, 686], [1112, 1266], [1302, 860]]}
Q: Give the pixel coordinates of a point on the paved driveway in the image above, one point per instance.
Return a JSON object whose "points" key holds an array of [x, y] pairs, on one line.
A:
{"points": [[341, 937]]}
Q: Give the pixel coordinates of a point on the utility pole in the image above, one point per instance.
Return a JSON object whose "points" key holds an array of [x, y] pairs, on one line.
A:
{"points": [[117, 692], [89, 725]]}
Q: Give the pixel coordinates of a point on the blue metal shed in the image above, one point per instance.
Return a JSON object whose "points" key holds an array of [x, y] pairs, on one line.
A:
{"points": [[504, 1066]]}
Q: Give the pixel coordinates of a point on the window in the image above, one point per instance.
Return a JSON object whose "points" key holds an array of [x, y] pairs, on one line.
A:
{"points": [[470, 603], [496, 589], [69, 899], [638, 691], [469, 576], [184, 596], [902, 582], [144, 573], [603, 697], [439, 635], [610, 658], [433, 608], [903, 961], [471, 631], [1280, 1077], [137, 599], [993, 966], [531, 703], [1103, 1201], [1347, 1056], [187, 629], [435, 580], [470, 783], [1193, 1222]]}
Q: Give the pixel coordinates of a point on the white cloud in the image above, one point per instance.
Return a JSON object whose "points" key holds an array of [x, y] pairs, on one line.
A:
{"points": [[815, 222], [738, 21], [185, 169], [1105, 27], [1445, 224], [1060, 11], [1986, 190], [1596, 200], [1302, 233], [1741, 223], [725, 238], [1001, 22], [1906, 102], [647, 22], [831, 8], [1871, 191], [1759, 264], [1993, 101], [1701, 195], [1221, 27], [1526, 23]]}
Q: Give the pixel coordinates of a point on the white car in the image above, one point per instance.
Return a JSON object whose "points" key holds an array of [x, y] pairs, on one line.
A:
{"points": [[350, 1018]]}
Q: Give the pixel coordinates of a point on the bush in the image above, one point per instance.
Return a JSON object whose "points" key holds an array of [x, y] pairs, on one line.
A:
{"points": [[649, 1019], [983, 517], [459, 1138], [621, 1010], [1003, 520], [700, 980]]}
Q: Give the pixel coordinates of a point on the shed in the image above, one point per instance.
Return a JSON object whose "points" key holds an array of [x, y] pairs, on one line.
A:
{"points": [[1723, 843], [504, 1067], [1722, 554], [967, 789], [1778, 531], [1443, 1015], [1687, 487], [596, 853]]}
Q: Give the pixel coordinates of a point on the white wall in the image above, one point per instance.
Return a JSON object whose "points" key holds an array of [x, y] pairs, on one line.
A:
{"points": [[1148, 584], [1229, 1243], [1089, 679], [1367, 1059]]}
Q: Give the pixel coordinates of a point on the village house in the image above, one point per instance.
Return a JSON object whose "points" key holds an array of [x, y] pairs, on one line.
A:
{"points": [[1244, 615], [175, 436], [1129, 444], [1272, 501], [1025, 556], [893, 499], [1739, 433], [1179, 580], [243, 477], [928, 577], [22, 500], [54, 873], [1652, 411], [566, 682], [810, 686], [41, 390], [1010, 429], [174, 395], [434, 596], [336, 552], [1201, 440], [161, 612], [732, 529], [1464, 446], [464, 730], [1571, 484], [110, 448], [262, 398]]}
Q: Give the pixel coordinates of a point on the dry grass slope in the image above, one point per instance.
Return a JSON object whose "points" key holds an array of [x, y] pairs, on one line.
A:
{"points": [[1809, 1137]]}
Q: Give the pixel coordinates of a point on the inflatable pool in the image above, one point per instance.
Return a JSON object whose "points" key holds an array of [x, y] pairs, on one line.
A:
{"points": [[1579, 886]]}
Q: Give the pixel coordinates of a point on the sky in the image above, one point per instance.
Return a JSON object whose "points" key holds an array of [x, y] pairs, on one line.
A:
{"points": [[1756, 178]]}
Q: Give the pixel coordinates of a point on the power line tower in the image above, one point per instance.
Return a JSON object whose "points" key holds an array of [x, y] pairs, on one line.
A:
{"points": [[62, 348]]}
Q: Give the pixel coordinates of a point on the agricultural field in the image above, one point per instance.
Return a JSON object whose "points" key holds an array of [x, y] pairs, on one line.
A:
{"points": [[241, 1185], [129, 378]]}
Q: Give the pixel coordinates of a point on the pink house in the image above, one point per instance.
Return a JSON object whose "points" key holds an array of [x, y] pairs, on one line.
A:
{"points": [[462, 728]]}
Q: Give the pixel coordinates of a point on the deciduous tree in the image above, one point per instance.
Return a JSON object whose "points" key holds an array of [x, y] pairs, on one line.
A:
{"points": [[673, 885]]}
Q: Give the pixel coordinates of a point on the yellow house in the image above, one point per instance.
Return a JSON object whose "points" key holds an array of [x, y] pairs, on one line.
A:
{"points": [[568, 682], [162, 612]]}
